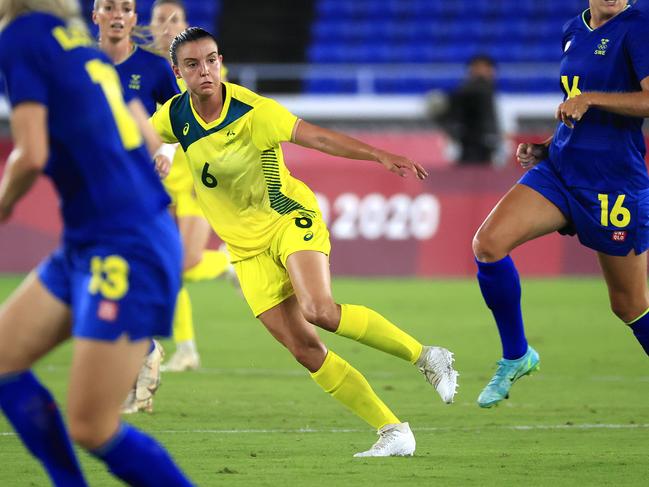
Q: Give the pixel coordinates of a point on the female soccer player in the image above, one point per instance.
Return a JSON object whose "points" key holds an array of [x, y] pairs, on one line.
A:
{"points": [[589, 179], [112, 283], [146, 76], [167, 20], [275, 234]]}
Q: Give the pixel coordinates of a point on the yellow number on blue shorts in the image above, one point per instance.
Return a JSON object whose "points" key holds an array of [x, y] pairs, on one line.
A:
{"points": [[109, 277], [619, 216]]}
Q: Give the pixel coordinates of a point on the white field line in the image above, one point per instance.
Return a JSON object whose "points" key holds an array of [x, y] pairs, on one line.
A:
{"points": [[260, 372], [531, 427]]}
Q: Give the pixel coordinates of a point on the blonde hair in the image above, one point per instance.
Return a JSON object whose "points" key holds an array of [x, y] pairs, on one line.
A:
{"points": [[68, 10]]}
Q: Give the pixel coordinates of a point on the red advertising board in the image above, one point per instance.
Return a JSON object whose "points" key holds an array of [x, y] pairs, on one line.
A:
{"points": [[380, 224]]}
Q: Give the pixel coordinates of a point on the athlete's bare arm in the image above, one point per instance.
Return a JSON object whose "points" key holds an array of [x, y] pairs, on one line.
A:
{"points": [[29, 156], [634, 104], [312, 136], [151, 137]]}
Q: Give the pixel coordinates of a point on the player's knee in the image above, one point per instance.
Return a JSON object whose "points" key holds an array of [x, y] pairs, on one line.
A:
{"points": [[320, 312], [626, 311], [626, 308], [486, 247], [87, 432], [309, 354], [13, 359]]}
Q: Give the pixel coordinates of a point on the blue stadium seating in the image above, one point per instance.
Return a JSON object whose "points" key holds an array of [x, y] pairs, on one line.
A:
{"points": [[428, 31], [199, 12]]}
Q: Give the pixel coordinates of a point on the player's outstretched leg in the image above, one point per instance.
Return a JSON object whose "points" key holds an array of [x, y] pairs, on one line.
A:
{"points": [[366, 326], [508, 372], [336, 376], [310, 278], [501, 290], [523, 214]]}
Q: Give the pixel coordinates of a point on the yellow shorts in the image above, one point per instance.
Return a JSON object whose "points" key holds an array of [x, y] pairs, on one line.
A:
{"points": [[263, 278]]}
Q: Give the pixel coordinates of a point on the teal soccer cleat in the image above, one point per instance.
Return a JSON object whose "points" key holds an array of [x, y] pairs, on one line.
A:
{"points": [[509, 371]]}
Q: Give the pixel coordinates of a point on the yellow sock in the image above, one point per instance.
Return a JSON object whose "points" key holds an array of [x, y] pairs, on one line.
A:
{"points": [[370, 328], [212, 265], [348, 386], [183, 327]]}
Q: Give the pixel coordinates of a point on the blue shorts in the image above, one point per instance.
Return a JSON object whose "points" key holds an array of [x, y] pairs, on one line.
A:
{"points": [[614, 223], [125, 284]]}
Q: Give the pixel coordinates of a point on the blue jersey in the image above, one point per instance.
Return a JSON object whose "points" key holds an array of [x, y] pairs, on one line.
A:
{"points": [[604, 151], [149, 77], [104, 177], [641, 5]]}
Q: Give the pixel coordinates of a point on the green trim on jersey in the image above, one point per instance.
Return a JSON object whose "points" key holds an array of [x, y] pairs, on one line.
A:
{"points": [[583, 18], [241, 149], [279, 202], [587, 11], [188, 130]]}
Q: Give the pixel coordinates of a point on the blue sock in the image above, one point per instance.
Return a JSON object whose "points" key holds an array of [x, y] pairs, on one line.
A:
{"points": [[151, 347], [640, 327], [501, 290], [140, 461], [32, 411]]}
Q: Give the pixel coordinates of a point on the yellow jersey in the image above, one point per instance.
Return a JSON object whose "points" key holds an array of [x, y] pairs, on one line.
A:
{"points": [[241, 182]]}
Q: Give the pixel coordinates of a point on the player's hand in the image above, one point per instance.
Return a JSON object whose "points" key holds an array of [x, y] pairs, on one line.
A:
{"points": [[529, 155], [402, 165], [162, 165], [571, 110]]}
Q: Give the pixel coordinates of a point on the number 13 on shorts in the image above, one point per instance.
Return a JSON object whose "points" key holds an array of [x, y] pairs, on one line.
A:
{"points": [[618, 216], [109, 277]]}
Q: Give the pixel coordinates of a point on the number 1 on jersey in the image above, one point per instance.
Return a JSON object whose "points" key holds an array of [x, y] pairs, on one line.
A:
{"points": [[106, 77], [570, 90]]}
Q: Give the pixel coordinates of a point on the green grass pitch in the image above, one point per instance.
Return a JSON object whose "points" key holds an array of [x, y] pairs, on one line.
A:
{"points": [[252, 417]]}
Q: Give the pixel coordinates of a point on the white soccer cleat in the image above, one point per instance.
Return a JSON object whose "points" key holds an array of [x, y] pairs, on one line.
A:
{"points": [[436, 363], [182, 360], [129, 406], [395, 440], [148, 381]]}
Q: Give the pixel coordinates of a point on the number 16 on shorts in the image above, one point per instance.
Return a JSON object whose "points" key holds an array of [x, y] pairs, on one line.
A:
{"points": [[617, 215]]}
